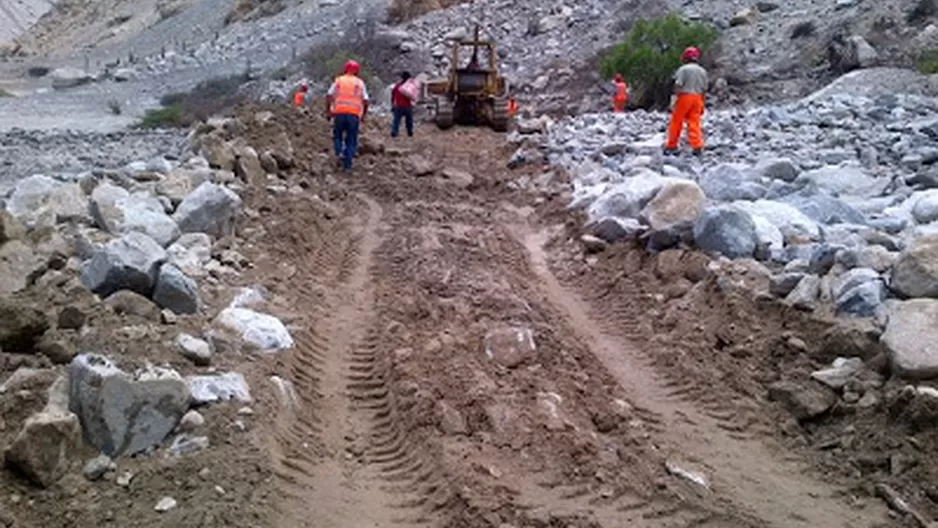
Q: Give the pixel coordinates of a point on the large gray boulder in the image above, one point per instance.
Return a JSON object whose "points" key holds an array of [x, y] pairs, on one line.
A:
{"points": [[787, 219], [69, 77], [727, 183], [175, 291], [130, 262], [627, 198], [210, 209], [181, 181], [117, 211], [911, 337], [726, 230], [41, 450], [843, 181], [123, 414], [20, 266], [778, 169], [916, 272], [674, 203], [190, 253], [40, 201]]}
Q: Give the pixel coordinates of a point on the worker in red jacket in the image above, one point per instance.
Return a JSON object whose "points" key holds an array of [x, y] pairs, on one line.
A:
{"points": [[402, 107]]}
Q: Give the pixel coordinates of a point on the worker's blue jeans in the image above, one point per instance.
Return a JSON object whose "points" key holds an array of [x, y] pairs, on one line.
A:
{"points": [[407, 114], [345, 133]]}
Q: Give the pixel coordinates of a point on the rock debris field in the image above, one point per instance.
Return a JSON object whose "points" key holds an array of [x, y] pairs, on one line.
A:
{"points": [[216, 328]]}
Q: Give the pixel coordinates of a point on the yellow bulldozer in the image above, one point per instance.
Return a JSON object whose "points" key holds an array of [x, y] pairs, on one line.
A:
{"points": [[474, 93]]}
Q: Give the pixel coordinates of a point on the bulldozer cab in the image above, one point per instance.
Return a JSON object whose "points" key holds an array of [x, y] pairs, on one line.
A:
{"points": [[476, 67]]}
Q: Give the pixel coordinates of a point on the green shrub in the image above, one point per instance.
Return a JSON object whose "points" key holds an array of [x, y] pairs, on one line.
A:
{"points": [[651, 53], [169, 117], [928, 62], [4, 93]]}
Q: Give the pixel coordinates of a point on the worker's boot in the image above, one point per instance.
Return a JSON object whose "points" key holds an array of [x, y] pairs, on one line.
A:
{"points": [[698, 153], [670, 151]]}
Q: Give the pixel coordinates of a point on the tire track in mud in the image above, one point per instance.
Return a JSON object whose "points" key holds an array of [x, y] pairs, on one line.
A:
{"points": [[330, 454], [694, 423]]}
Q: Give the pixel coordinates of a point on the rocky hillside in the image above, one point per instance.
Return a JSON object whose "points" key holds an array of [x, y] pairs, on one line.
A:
{"points": [[18, 16]]}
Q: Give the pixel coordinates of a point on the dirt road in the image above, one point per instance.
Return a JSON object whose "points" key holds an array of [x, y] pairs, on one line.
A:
{"points": [[404, 417]]}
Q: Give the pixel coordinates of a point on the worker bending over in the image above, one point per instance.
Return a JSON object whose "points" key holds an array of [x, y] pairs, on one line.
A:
{"points": [[621, 97], [687, 103], [347, 105]]}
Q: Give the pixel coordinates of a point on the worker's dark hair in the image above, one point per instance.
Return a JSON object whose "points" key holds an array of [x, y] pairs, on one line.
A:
{"points": [[405, 75]]}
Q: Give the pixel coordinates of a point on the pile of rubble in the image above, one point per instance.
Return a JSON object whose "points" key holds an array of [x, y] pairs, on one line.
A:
{"points": [[119, 309]]}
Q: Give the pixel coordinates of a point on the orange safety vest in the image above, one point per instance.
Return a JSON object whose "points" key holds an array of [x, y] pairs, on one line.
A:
{"points": [[349, 96], [512, 107], [299, 98], [622, 91]]}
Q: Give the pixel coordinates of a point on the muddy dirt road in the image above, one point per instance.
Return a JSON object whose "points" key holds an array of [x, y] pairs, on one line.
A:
{"points": [[450, 370]]}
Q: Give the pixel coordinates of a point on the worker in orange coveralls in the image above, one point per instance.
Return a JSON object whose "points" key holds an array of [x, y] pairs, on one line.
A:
{"points": [[299, 98], [512, 107], [687, 103], [621, 98]]}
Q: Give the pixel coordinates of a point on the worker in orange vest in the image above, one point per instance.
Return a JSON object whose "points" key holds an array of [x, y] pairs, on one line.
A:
{"points": [[621, 97], [299, 98], [687, 103], [347, 105], [512, 107]]}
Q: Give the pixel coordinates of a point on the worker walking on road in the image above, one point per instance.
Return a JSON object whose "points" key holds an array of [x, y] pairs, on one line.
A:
{"points": [[687, 103], [402, 108], [347, 105], [621, 98]]}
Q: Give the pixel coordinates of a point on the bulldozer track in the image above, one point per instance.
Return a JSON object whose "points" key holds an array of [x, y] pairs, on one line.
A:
{"points": [[333, 450], [745, 471]]}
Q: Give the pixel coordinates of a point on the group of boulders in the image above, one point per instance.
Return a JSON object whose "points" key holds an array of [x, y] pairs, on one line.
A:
{"points": [[141, 244], [835, 196]]}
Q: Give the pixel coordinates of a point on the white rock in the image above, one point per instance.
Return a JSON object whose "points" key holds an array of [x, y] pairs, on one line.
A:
{"points": [[210, 209], [165, 504], [40, 201], [261, 330], [220, 387], [911, 337], [194, 349], [119, 212]]}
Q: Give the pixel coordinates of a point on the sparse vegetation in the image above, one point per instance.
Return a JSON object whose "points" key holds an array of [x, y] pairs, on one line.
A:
{"points": [[922, 11], [4, 93], [928, 62], [803, 29], [404, 10], [210, 97], [115, 107], [249, 9], [375, 54], [651, 53], [173, 116]]}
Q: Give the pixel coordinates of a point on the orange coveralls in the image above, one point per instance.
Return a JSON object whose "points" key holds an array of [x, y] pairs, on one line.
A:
{"points": [[621, 98], [691, 81], [688, 109]]}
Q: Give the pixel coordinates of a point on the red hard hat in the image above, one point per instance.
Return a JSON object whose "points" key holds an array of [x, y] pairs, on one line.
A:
{"points": [[352, 67], [619, 77], [690, 53]]}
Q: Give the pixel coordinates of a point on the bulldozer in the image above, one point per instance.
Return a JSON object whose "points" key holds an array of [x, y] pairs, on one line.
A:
{"points": [[473, 94]]}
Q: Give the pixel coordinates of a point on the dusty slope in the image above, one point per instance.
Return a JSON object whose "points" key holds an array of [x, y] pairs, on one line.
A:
{"points": [[18, 16]]}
